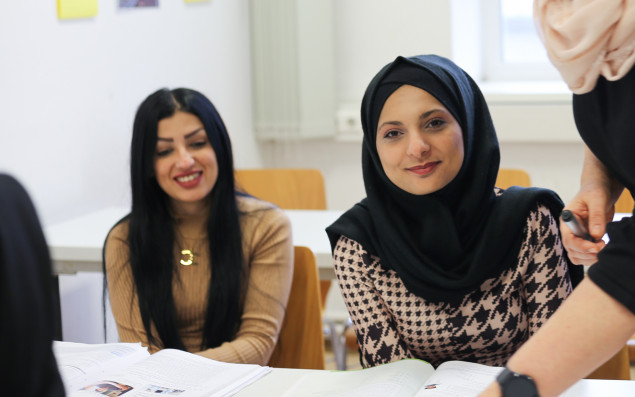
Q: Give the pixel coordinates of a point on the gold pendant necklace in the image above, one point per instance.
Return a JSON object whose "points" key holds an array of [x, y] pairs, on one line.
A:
{"points": [[187, 258]]}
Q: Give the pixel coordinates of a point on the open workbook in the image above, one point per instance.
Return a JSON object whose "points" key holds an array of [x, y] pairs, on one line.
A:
{"points": [[127, 369], [413, 378], [405, 378]]}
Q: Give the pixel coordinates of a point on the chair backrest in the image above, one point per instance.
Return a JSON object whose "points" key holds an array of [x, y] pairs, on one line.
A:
{"points": [[512, 177], [625, 203], [617, 367], [301, 340], [288, 188]]}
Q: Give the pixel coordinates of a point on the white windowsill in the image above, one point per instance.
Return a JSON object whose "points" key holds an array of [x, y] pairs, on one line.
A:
{"points": [[525, 92]]}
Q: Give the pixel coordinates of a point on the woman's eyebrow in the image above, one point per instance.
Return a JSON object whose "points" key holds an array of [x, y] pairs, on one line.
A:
{"points": [[423, 115], [389, 123], [427, 114], [189, 135]]}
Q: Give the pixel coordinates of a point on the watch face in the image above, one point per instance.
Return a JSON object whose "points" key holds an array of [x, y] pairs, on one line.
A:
{"points": [[516, 385], [520, 386]]}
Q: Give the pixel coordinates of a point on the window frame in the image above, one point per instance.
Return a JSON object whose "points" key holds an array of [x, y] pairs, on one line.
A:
{"points": [[493, 67]]}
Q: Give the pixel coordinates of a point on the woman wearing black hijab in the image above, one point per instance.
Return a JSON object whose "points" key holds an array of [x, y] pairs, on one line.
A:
{"points": [[27, 312], [436, 263]]}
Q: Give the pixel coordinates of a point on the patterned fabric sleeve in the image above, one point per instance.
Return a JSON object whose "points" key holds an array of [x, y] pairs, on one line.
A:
{"points": [[546, 281], [375, 328]]}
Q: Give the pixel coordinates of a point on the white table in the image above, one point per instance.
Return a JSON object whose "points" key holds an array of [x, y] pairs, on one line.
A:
{"points": [[76, 245], [281, 380]]}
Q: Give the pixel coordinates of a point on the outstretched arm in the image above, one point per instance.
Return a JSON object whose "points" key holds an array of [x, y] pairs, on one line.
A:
{"points": [[570, 346]]}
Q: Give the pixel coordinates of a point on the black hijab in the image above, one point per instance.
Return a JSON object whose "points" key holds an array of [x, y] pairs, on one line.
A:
{"points": [[27, 311], [445, 244]]}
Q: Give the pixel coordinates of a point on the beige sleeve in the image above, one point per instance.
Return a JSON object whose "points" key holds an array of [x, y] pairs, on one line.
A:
{"points": [[269, 252], [121, 290]]}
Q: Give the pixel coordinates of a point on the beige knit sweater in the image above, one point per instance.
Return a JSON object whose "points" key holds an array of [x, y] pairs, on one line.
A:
{"points": [[267, 247]]}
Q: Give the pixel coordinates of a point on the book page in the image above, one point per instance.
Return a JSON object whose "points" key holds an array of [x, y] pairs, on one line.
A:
{"points": [[458, 379], [174, 373], [81, 363], [396, 379]]}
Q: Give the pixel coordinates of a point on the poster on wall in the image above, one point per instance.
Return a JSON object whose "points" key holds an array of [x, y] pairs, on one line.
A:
{"points": [[138, 3], [69, 9]]}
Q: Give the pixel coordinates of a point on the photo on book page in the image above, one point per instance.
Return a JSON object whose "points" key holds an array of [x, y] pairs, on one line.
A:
{"points": [[163, 391], [108, 388]]}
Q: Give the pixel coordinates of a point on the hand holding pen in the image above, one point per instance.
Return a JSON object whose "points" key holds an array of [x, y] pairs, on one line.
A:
{"points": [[576, 227], [583, 248]]}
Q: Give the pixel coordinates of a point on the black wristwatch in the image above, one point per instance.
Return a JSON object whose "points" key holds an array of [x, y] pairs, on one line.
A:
{"points": [[514, 384]]}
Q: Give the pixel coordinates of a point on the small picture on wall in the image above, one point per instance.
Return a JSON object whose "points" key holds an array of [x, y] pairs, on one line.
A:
{"points": [[138, 3]]}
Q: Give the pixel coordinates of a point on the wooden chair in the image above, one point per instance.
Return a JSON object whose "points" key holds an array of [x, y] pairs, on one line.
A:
{"points": [[625, 203], [301, 340], [512, 177], [288, 188], [617, 367]]}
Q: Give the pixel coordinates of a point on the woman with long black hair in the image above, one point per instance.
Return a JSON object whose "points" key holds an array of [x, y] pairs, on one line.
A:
{"points": [[196, 265]]}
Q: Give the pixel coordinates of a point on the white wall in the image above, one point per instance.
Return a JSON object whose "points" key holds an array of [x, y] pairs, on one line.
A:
{"points": [[69, 90]]}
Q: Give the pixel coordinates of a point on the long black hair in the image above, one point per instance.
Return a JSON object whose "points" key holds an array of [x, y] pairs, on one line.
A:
{"points": [[151, 230], [28, 306]]}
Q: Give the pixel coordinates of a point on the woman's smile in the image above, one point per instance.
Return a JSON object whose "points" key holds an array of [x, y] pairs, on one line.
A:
{"points": [[424, 169], [189, 180]]}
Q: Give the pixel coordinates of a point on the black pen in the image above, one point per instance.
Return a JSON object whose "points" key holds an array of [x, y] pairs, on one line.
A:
{"points": [[572, 222]]}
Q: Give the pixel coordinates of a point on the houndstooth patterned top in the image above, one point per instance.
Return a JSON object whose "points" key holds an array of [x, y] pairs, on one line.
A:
{"points": [[486, 327]]}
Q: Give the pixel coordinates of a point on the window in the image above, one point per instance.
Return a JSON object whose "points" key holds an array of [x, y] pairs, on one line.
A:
{"points": [[512, 49]]}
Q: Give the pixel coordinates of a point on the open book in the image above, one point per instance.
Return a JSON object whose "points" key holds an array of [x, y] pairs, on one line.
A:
{"points": [[410, 378], [404, 378], [127, 369]]}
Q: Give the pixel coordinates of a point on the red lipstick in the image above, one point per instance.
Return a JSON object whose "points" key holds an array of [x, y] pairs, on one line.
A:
{"points": [[425, 169]]}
